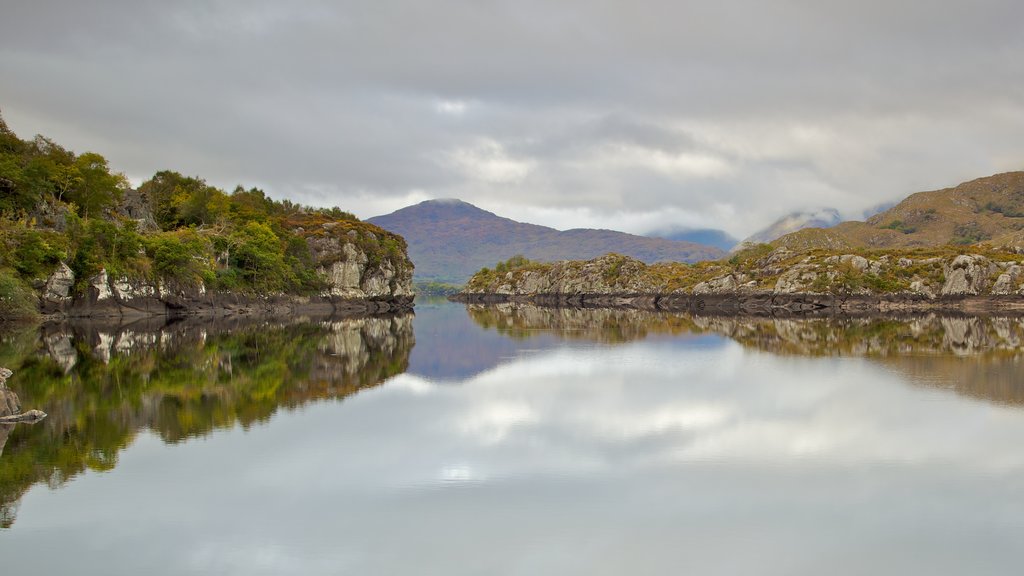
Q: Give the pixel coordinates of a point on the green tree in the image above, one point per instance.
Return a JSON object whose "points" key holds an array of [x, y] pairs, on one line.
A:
{"points": [[99, 189], [184, 200], [258, 253]]}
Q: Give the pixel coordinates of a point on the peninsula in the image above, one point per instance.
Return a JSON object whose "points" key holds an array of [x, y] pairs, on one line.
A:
{"points": [[78, 241]]}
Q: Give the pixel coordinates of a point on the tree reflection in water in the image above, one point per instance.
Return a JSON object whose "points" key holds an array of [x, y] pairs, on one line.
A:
{"points": [[101, 384]]}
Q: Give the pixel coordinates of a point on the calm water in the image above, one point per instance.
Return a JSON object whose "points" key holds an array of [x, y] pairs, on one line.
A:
{"points": [[516, 440]]}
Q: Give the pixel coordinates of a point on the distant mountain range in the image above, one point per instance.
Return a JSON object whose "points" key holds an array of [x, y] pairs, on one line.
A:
{"points": [[449, 240], [708, 236], [988, 210]]}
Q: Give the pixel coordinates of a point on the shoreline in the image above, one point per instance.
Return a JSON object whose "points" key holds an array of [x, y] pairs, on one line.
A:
{"points": [[222, 305], [735, 304]]}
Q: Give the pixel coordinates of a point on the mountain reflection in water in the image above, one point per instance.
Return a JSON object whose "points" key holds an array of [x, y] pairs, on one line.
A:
{"points": [[102, 384]]}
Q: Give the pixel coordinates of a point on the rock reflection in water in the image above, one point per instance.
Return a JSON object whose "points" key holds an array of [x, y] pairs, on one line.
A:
{"points": [[977, 356], [101, 384]]}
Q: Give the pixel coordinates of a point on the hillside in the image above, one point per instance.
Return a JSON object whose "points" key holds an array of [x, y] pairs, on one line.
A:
{"points": [[988, 211], [449, 240]]}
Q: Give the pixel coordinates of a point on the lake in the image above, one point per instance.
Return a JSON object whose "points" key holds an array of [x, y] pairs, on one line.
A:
{"points": [[517, 440]]}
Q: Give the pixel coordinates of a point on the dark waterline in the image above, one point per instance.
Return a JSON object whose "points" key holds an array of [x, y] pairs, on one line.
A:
{"points": [[517, 440]]}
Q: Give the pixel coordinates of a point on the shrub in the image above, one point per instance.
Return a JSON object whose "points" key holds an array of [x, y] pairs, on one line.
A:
{"points": [[17, 300]]}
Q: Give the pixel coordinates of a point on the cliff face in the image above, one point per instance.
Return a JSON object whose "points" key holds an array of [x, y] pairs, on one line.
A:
{"points": [[822, 279], [356, 278]]}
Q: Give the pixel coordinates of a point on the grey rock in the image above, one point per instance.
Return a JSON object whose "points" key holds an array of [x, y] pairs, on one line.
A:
{"points": [[1008, 282], [58, 286], [967, 274]]}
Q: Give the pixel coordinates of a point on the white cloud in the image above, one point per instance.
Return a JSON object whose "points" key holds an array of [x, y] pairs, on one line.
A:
{"points": [[488, 161], [452, 107]]}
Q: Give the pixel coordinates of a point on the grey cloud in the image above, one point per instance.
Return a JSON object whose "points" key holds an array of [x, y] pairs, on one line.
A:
{"points": [[338, 102]]}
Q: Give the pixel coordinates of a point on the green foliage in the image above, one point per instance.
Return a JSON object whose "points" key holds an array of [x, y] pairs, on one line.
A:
{"points": [[239, 241], [101, 244], [900, 226], [185, 388], [1005, 211], [36, 252], [180, 201], [183, 255], [750, 254], [513, 263], [17, 300], [437, 288], [968, 233], [94, 188], [611, 273], [257, 253]]}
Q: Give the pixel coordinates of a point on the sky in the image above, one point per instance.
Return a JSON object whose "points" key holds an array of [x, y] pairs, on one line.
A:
{"points": [[575, 113]]}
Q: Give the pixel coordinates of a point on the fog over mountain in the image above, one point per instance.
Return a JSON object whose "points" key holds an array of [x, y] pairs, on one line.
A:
{"points": [[816, 218], [631, 116]]}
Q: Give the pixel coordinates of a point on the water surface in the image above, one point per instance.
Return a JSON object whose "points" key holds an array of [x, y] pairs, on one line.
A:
{"points": [[518, 440]]}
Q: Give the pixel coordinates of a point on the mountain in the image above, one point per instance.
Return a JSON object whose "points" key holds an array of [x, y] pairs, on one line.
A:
{"points": [[707, 236], [986, 210], [820, 218], [449, 240]]}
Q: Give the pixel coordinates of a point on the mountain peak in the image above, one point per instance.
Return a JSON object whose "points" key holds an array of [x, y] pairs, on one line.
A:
{"points": [[450, 239]]}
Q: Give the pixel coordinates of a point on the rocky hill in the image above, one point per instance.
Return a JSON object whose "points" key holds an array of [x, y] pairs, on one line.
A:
{"points": [[766, 279], [449, 240], [988, 211]]}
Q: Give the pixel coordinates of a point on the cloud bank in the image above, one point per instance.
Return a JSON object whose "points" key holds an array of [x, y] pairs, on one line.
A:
{"points": [[578, 113]]}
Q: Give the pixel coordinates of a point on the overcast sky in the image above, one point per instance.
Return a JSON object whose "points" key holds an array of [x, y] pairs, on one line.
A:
{"points": [[625, 115]]}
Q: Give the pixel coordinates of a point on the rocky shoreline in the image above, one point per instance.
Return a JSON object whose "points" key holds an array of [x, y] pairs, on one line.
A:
{"points": [[223, 304], [776, 305], [353, 286], [777, 282]]}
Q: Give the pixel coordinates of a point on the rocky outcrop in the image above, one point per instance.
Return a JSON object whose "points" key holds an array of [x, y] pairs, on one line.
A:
{"points": [[354, 282], [1010, 281], [353, 277], [57, 289], [967, 274], [777, 281], [136, 206]]}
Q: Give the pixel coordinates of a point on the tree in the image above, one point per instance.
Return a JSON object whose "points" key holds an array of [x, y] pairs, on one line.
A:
{"points": [[258, 253], [99, 189]]}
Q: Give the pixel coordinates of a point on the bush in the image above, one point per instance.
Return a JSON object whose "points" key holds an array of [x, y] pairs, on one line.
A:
{"points": [[183, 256], [17, 300], [36, 253]]}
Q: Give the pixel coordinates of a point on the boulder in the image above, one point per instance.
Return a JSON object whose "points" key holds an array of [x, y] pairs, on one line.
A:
{"points": [[967, 274], [1009, 281], [58, 286]]}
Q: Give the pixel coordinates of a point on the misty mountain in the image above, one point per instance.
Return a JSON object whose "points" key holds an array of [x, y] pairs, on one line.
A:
{"points": [[449, 240], [707, 236], [819, 218]]}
